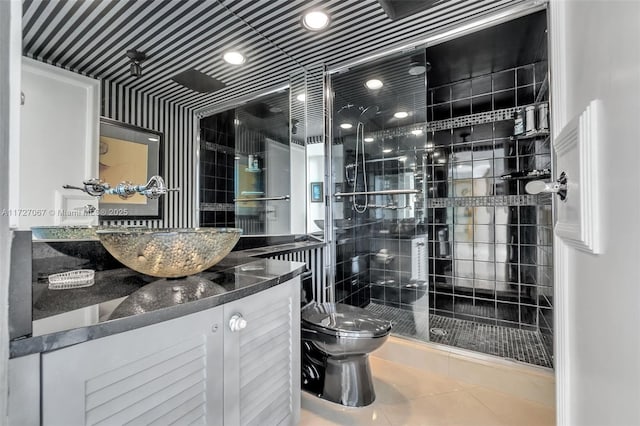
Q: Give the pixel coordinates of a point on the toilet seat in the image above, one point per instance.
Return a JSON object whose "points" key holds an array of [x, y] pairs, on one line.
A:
{"points": [[337, 319]]}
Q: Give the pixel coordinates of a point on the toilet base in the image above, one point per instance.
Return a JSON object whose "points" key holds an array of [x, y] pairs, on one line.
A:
{"points": [[348, 381]]}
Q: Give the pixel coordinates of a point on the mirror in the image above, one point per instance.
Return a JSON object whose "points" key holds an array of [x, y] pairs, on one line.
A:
{"points": [[246, 167], [131, 154], [262, 164], [315, 106]]}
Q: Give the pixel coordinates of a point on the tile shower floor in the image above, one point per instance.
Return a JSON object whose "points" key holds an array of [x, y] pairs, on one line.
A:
{"points": [[407, 396], [513, 343]]}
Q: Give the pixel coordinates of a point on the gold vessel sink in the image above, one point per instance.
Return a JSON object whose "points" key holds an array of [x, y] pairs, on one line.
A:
{"points": [[169, 253]]}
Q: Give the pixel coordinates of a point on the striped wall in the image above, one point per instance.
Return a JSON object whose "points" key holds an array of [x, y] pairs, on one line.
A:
{"points": [[180, 146]]}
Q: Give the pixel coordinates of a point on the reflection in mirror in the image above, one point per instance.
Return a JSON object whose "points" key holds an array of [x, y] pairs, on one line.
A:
{"points": [[245, 167], [129, 154], [315, 126], [297, 129]]}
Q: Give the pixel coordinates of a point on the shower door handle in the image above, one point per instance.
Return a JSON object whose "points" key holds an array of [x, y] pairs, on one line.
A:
{"points": [[558, 187]]}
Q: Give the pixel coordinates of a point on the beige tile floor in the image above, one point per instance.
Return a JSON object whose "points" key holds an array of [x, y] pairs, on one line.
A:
{"points": [[407, 396]]}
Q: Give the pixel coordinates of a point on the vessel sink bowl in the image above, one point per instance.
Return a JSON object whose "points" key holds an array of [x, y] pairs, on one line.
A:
{"points": [[169, 253], [63, 233]]}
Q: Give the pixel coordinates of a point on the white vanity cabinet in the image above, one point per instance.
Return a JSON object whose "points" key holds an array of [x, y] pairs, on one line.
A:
{"points": [[190, 370], [59, 134], [169, 371], [262, 357]]}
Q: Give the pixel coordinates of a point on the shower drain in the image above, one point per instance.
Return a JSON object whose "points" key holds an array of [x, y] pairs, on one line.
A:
{"points": [[438, 331]]}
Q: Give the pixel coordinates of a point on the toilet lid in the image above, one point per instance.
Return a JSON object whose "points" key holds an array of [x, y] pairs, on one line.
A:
{"points": [[344, 320]]}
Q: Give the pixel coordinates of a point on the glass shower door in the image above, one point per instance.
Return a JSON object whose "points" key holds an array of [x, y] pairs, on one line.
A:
{"points": [[379, 143]]}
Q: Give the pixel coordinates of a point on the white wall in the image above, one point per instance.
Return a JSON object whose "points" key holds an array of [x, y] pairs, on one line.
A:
{"points": [[10, 53], [599, 384]]}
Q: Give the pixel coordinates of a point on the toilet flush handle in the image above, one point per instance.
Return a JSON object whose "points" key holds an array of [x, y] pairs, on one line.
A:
{"points": [[237, 323]]}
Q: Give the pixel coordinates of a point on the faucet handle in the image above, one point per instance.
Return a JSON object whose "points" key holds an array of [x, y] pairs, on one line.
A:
{"points": [[156, 187], [94, 187]]}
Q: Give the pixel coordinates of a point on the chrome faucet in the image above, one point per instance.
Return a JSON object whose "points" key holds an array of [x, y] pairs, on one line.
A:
{"points": [[152, 189]]}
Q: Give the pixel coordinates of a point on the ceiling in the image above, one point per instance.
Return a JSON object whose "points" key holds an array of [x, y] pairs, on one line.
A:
{"points": [[91, 37]]}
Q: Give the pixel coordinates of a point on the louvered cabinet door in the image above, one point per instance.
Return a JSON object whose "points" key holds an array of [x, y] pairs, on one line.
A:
{"points": [[167, 373], [262, 358]]}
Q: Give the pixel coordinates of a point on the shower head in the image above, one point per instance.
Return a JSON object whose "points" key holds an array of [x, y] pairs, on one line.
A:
{"points": [[369, 112]]}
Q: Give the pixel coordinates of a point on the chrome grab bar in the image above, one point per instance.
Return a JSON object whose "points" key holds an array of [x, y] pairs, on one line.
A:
{"points": [[383, 192], [247, 200], [385, 206]]}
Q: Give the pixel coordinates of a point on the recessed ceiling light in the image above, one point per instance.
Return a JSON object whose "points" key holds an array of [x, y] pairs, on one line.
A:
{"points": [[369, 139], [346, 125], [153, 139], [234, 58], [401, 114], [417, 69], [386, 151], [301, 97], [374, 84], [429, 145], [315, 20], [417, 132]]}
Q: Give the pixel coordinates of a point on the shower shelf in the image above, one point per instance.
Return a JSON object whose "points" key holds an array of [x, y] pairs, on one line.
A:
{"points": [[451, 123], [544, 134], [524, 175]]}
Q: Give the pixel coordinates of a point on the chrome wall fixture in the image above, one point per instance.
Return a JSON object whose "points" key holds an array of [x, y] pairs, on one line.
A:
{"points": [[152, 189], [383, 192], [248, 200], [558, 187]]}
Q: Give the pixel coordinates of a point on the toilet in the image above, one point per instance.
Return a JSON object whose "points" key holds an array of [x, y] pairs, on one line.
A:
{"points": [[336, 342]]}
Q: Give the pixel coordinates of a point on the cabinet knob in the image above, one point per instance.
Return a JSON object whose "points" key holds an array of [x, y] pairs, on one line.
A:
{"points": [[237, 323]]}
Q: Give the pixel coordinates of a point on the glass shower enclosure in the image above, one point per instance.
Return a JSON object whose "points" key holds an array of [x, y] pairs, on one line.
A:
{"points": [[432, 227]]}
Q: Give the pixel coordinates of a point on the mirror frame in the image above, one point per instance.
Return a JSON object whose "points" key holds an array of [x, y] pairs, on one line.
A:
{"points": [[152, 208]]}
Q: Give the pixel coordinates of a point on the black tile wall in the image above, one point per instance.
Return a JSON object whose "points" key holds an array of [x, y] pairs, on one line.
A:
{"points": [[353, 263], [217, 153], [488, 264]]}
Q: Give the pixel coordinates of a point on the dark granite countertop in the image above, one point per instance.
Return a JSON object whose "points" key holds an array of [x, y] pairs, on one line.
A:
{"points": [[119, 299]]}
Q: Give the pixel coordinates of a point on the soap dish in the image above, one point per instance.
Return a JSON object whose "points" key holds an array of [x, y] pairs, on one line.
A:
{"points": [[72, 279]]}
